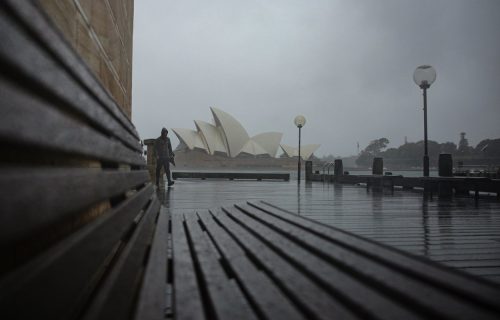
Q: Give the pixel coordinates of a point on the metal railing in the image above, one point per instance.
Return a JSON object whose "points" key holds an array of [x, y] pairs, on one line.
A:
{"points": [[326, 167]]}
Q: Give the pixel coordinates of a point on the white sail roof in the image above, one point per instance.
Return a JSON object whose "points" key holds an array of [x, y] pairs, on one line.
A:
{"points": [[306, 150], [211, 136], [190, 138], [289, 150], [234, 135], [253, 148], [228, 136], [269, 141]]}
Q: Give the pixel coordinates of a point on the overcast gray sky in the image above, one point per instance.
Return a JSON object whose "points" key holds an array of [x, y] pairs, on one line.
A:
{"points": [[345, 65]]}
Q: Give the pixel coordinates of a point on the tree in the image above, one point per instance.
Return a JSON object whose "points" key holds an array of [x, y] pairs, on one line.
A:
{"points": [[488, 147], [448, 147], [376, 146], [483, 146], [365, 159], [372, 150], [410, 154]]}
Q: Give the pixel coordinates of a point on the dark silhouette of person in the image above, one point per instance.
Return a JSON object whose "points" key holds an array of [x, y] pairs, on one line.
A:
{"points": [[164, 155]]}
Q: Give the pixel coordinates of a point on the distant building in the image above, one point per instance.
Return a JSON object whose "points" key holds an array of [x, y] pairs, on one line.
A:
{"points": [[227, 137], [463, 144]]}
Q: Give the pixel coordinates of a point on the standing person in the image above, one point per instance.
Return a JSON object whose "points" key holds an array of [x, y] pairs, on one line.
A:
{"points": [[164, 155]]}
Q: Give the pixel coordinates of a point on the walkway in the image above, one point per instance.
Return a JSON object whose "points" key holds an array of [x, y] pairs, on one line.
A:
{"points": [[454, 232]]}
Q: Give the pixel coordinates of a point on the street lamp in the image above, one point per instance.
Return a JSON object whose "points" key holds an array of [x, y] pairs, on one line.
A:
{"points": [[299, 121], [424, 76]]}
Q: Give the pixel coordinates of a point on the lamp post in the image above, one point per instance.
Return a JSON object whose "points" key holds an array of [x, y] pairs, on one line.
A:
{"points": [[424, 76], [299, 121]]}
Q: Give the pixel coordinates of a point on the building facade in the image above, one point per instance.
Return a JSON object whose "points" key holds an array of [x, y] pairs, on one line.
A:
{"points": [[101, 31]]}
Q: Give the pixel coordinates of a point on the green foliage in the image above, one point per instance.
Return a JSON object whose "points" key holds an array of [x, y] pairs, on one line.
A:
{"points": [[374, 149], [376, 146], [410, 154], [488, 148]]}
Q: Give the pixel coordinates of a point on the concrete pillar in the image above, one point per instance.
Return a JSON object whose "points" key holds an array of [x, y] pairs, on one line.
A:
{"points": [[338, 167], [445, 165], [309, 170], [378, 166]]}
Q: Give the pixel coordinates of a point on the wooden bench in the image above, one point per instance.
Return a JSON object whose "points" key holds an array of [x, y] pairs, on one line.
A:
{"points": [[254, 261], [81, 230]]}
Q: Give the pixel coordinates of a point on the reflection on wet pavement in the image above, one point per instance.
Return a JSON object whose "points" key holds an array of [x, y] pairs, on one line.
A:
{"points": [[455, 232]]}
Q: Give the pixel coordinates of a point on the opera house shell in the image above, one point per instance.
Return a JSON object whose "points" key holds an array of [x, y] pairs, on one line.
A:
{"points": [[228, 137], [306, 151]]}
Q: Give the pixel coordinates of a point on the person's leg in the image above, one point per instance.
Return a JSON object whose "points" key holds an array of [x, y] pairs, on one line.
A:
{"points": [[167, 172], [158, 169]]}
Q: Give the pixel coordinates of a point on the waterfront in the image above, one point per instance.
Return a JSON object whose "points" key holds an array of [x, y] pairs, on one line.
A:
{"points": [[293, 172], [456, 232]]}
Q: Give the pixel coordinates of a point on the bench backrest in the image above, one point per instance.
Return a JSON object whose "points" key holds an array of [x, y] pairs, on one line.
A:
{"points": [[77, 210]]}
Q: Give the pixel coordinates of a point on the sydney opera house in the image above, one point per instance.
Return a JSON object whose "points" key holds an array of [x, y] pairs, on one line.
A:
{"points": [[227, 137]]}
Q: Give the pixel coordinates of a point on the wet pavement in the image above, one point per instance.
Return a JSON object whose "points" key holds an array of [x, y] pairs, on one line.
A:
{"points": [[457, 232]]}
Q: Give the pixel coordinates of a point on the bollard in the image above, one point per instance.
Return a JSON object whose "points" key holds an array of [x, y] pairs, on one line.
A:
{"points": [[378, 166], [445, 165], [309, 170], [338, 167]]}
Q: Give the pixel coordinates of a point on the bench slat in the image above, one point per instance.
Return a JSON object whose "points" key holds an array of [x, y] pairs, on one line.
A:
{"points": [[472, 289], [30, 121], [64, 250], [64, 74], [115, 299], [312, 299], [252, 280], [426, 298], [151, 304], [187, 297], [71, 269], [325, 272], [347, 287], [226, 300], [41, 197]]}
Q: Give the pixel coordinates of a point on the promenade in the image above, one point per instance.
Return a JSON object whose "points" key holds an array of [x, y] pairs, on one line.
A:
{"points": [[456, 232]]}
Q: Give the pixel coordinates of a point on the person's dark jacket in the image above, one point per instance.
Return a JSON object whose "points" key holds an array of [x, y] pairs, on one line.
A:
{"points": [[163, 149]]}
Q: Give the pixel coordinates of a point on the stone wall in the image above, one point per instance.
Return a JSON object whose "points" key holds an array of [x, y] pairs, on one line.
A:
{"points": [[101, 32]]}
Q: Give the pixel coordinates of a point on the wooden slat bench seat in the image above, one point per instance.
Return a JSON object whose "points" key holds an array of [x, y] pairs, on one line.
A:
{"points": [[82, 235], [94, 271], [255, 260]]}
